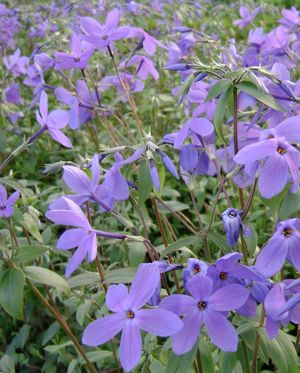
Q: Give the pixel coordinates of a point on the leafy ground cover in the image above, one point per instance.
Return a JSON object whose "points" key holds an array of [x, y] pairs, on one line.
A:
{"points": [[149, 186]]}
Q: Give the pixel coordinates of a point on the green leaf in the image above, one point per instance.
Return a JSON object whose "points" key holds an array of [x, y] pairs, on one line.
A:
{"points": [[7, 364], [227, 361], [217, 89], [11, 292], [120, 276], [219, 240], [144, 182], [47, 277], [281, 351], [179, 364], [182, 242], [30, 224], [206, 357], [220, 111], [136, 253], [251, 89], [173, 205], [50, 332], [84, 279], [28, 253], [290, 205]]}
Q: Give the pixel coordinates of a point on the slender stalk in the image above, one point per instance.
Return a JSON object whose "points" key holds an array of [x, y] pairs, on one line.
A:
{"points": [[198, 357], [63, 324], [164, 237], [206, 248], [250, 200], [246, 357], [235, 138], [257, 340]]}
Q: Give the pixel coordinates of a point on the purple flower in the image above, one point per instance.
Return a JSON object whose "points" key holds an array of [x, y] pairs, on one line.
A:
{"points": [[53, 122], [227, 270], [194, 267], [281, 308], [129, 318], [145, 67], [205, 306], [84, 236], [79, 57], [163, 267], [193, 127], [233, 225], [247, 16], [149, 42], [16, 63], [6, 204], [102, 36], [278, 159], [284, 245], [12, 94]]}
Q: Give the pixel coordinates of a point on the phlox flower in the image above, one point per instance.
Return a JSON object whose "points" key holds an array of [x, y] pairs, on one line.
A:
{"points": [[6, 204], [79, 57], [227, 270], [279, 159], [233, 225], [205, 306], [247, 16], [52, 122], [283, 245], [102, 36], [129, 317], [83, 236], [194, 267], [282, 306]]}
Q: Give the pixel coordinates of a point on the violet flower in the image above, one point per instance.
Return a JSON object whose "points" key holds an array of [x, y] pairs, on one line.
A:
{"points": [[207, 307], [233, 225], [226, 270], [6, 204], [247, 16], [145, 67], [280, 157], [194, 267], [84, 236], [52, 122], [102, 36], [281, 308], [16, 63], [129, 317], [12, 94], [283, 245], [79, 57]]}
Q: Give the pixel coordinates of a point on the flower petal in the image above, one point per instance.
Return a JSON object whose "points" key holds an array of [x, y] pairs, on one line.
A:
{"points": [[221, 331], [228, 298], [158, 322], [116, 297], [273, 176], [77, 257], [200, 287], [76, 179], [102, 330], [70, 238], [130, 346], [179, 304], [256, 151], [149, 276], [186, 338], [13, 198], [271, 258], [60, 137]]}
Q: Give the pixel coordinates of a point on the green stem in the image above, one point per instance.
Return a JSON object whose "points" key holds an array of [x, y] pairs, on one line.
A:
{"points": [[246, 357], [257, 340], [63, 324]]}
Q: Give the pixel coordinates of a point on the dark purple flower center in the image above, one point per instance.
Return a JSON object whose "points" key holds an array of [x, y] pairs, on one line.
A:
{"points": [[196, 269], [202, 305], [105, 37], [281, 150], [223, 275], [287, 232], [130, 314], [232, 214], [2, 208]]}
